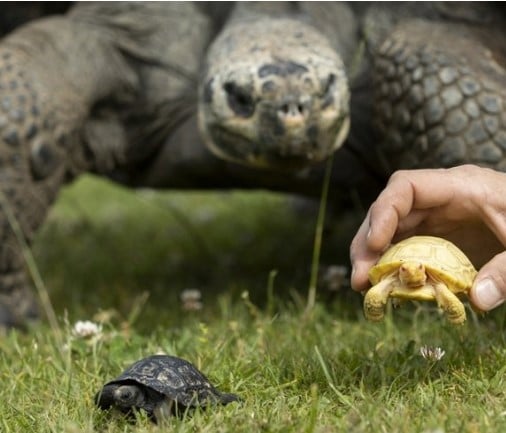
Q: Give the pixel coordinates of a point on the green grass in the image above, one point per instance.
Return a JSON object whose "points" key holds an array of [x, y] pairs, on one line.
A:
{"points": [[123, 258]]}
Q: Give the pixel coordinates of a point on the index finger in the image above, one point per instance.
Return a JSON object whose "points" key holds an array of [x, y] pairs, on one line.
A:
{"points": [[397, 207], [361, 257], [405, 192]]}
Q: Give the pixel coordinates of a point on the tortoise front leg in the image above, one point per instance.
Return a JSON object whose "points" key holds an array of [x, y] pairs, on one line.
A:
{"points": [[376, 299], [31, 171], [450, 304], [51, 72]]}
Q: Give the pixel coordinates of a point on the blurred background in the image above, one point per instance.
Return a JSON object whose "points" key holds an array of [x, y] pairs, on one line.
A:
{"points": [[107, 248]]}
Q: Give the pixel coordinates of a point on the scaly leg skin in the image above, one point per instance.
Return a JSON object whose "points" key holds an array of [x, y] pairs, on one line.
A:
{"points": [[93, 90], [376, 298], [164, 410], [29, 173], [450, 304], [44, 100]]}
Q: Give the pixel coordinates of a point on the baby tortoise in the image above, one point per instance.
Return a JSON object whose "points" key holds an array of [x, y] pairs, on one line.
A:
{"points": [[422, 268], [161, 385]]}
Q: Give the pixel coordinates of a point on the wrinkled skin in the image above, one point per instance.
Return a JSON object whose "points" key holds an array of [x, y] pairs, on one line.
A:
{"points": [[272, 101], [112, 89], [60, 81]]}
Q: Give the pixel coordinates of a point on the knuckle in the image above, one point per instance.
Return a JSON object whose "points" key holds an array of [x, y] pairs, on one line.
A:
{"points": [[467, 169], [372, 208], [399, 175]]}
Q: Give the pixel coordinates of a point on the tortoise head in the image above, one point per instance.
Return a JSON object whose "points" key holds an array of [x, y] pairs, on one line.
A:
{"points": [[274, 94], [412, 274], [121, 396], [128, 396]]}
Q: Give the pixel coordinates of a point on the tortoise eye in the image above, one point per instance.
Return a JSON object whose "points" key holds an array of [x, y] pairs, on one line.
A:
{"points": [[329, 85], [328, 91], [125, 394], [239, 99]]}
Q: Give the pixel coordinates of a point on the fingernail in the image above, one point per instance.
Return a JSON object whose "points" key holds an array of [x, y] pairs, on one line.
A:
{"points": [[487, 295]]}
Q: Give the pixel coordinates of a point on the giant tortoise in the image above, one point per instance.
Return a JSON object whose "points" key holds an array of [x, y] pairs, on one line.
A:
{"points": [[253, 95]]}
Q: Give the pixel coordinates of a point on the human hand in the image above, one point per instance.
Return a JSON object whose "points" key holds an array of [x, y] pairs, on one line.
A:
{"points": [[465, 204]]}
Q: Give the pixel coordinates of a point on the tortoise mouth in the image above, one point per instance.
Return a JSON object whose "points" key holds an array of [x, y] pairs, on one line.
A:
{"points": [[235, 147]]}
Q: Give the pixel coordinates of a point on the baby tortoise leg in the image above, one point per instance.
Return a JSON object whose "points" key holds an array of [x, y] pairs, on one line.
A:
{"points": [[164, 410], [376, 298], [450, 304]]}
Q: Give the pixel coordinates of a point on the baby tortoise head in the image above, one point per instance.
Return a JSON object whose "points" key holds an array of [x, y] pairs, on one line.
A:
{"points": [[127, 396], [274, 94], [412, 274]]}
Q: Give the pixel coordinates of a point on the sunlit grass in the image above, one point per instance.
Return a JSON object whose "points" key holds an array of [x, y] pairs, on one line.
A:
{"points": [[122, 259]]}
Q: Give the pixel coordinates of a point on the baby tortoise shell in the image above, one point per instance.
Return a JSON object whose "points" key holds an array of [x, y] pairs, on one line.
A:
{"points": [[161, 385], [422, 268]]}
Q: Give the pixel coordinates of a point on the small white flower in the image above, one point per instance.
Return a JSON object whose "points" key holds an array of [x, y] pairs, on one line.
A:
{"points": [[191, 299], [432, 353], [334, 277], [86, 329]]}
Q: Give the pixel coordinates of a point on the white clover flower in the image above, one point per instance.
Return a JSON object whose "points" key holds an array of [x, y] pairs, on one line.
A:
{"points": [[334, 277], [191, 299], [432, 353], [86, 329]]}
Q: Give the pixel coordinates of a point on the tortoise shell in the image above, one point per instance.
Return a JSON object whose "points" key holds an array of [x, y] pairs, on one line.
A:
{"points": [[442, 260], [172, 377]]}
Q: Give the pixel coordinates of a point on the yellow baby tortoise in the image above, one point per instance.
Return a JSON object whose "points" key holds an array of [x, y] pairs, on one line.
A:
{"points": [[422, 268]]}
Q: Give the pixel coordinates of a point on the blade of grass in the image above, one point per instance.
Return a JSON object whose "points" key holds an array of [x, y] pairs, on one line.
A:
{"points": [[270, 292], [342, 398], [317, 246], [32, 268], [313, 413]]}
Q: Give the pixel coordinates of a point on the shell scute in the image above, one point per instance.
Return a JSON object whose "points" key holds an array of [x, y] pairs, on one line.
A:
{"points": [[442, 259], [173, 377]]}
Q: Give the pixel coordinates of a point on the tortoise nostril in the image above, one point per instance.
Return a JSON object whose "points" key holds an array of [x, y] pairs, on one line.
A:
{"points": [[239, 99], [292, 109]]}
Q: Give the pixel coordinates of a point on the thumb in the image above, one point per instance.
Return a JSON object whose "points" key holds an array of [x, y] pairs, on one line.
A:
{"points": [[489, 288]]}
